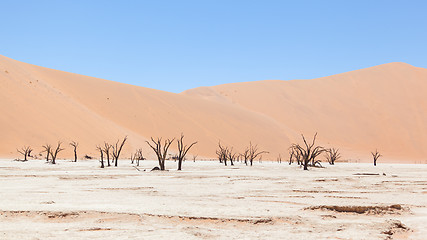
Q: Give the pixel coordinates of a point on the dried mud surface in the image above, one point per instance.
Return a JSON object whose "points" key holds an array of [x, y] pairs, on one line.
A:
{"points": [[210, 201]]}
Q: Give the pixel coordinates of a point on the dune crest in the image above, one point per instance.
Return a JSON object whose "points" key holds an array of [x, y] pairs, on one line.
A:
{"points": [[379, 107]]}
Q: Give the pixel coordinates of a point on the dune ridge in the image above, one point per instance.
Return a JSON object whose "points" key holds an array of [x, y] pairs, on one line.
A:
{"points": [[379, 107]]}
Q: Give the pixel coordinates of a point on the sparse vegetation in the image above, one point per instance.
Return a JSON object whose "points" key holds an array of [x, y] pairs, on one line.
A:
{"points": [[376, 155], [107, 147], [26, 151], [332, 154], [182, 150], [75, 145], [116, 150], [137, 156], [54, 153], [101, 152], [222, 153], [160, 150], [309, 152], [252, 153], [47, 149]]}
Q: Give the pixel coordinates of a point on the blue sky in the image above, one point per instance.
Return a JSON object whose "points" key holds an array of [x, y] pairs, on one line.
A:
{"points": [[178, 45]]}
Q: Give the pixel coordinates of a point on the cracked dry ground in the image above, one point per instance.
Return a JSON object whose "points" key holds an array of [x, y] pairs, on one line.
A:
{"points": [[211, 201]]}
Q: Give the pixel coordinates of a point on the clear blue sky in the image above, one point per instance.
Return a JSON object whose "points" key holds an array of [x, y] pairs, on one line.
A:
{"points": [[177, 45]]}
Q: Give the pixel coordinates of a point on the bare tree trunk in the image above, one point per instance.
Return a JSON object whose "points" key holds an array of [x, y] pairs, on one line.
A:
{"points": [[75, 145], [376, 155], [101, 151], [102, 159], [117, 149], [160, 151], [26, 151]]}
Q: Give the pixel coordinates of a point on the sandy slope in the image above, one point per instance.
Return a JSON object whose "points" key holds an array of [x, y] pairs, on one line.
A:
{"points": [[41, 105], [380, 107]]}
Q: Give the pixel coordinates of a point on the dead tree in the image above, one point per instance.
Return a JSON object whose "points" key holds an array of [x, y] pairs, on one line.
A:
{"points": [[254, 152], [106, 149], [194, 158], [231, 156], [54, 153], [75, 145], [221, 152], [279, 159], [116, 149], [101, 151], [332, 154], [292, 155], [26, 151], [132, 158], [138, 156], [161, 151], [309, 152], [47, 148], [182, 150], [376, 155], [245, 156]]}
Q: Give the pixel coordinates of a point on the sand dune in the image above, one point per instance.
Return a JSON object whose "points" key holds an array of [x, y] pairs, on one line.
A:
{"points": [[380, 107]]}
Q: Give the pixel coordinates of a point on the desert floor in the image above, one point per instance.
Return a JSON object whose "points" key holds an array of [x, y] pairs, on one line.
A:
{"points": [[210, 201]]}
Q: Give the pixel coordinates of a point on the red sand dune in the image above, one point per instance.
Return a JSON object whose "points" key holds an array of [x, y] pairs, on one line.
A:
{"points": [[381, 107]]}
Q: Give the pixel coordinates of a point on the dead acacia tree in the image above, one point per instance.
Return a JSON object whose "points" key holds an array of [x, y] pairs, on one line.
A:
{"points": [[107, 147], [294, 155], [376, 155], [75, 145], [332, 154], [101, 151], [309, 152], [194, 158], [254, 153], [222, 152], [116, 149], [279, 159], [26, 151], [54, 153], [161, 151], [245, 156], [231, 156], [47, 148], [137, 156], [182, 150], [292, 152]]}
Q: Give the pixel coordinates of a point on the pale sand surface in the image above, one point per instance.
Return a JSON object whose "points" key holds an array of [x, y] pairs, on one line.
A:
{"points": [[381, 107], [209, 201]]}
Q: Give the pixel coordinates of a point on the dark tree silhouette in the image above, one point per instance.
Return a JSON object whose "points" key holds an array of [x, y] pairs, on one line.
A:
{"points": [[106, 149], [222, 153], [54, 153], [116, 149], [309, 152], [101, 151], [75, 145], [245, 156], [161, 151], [332, 154], [26, 151], [182, 150], [231, 156], [138, 156], [254, 153], [376, 155], [47, 148]]}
